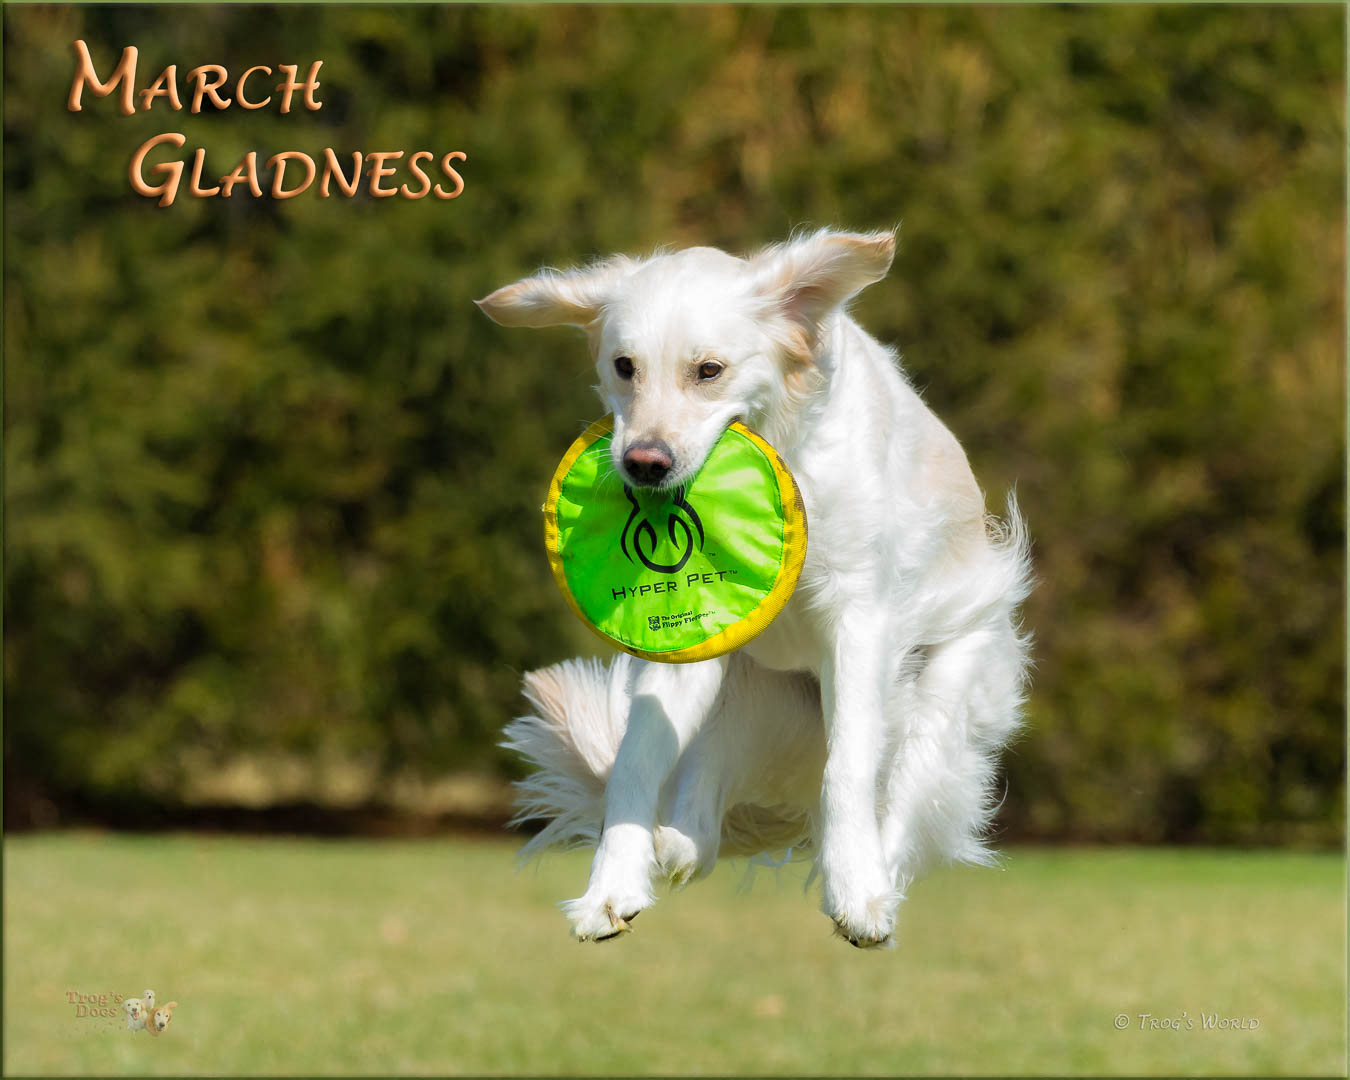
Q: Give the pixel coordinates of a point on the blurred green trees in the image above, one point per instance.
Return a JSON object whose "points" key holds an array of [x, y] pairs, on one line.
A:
{"points": [[272, 482]]}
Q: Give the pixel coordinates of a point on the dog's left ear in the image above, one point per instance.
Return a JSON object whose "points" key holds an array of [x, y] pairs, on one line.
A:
{"points": [[810, 277]]}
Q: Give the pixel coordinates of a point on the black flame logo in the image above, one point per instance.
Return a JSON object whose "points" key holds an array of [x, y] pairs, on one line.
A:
{"points": [[644, 530]]}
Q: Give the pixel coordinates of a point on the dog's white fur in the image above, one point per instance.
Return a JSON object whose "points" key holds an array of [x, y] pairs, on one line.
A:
{"points": [[864, 724]]}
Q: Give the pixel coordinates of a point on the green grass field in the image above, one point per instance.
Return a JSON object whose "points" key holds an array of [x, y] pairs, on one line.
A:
{"points": [[299, 956]]}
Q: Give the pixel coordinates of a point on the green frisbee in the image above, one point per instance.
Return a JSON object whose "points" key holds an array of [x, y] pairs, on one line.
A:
{"points": [[679, 574]]}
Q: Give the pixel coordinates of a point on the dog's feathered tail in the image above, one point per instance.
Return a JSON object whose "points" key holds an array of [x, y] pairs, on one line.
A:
{"points": [[571, 740], [1012, 542]]}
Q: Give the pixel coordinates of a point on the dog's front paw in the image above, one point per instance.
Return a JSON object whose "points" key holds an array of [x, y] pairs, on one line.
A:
{"points": [[598, 917], [679, 857]]}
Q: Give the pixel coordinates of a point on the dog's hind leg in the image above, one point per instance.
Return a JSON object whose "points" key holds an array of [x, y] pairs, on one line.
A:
{"points": [[725, 748], [762, 751], [687, 843], [954, 718]]}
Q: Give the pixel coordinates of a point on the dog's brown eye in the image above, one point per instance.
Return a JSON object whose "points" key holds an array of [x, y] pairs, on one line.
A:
{"points": [[709, 369], [624, 366]]}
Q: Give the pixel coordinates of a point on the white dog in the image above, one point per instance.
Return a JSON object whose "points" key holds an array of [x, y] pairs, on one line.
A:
{"points": [[139, 1010], [866, 721]]}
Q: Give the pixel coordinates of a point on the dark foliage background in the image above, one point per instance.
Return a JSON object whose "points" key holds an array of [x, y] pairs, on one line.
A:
{"points": [[272, 482]]}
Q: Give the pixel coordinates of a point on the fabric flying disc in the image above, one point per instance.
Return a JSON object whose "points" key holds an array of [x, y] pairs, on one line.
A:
{"points": [[682, 574]]}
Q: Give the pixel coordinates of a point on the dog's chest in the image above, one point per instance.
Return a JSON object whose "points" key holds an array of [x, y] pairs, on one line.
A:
{"points": [[795, 640], [790, 642]]}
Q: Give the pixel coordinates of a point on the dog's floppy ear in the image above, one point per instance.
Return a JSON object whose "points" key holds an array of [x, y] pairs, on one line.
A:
{"points": [[555, 297], [810, 277]]}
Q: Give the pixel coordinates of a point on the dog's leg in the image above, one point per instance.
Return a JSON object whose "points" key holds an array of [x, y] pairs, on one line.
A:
{"points": [[859, 893], [669, 704], [690, 833], [955, 719], [686, 845]]}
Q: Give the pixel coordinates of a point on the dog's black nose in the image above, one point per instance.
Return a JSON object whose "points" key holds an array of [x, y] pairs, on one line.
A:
{"points": [[648, 461]]}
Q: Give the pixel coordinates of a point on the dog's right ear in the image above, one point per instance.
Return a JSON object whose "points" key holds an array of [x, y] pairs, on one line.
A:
{"points": [[555, 297]]}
